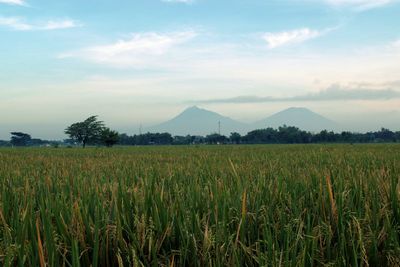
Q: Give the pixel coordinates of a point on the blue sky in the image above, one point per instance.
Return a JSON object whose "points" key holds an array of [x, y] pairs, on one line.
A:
{"points": [[136, 61]]}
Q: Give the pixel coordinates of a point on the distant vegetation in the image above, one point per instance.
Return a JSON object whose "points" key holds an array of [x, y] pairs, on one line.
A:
{"points": [[94, 132], [282, 135], [278, 205], [20, 139]]}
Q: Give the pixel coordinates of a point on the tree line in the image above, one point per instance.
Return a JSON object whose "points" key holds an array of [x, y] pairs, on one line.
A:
{"points": [[94, 132], [282, 135]]}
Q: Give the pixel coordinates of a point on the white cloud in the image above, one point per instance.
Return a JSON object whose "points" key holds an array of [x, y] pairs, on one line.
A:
{"points": [[63, 24], [360, 4], [141, 50], [19, 24], [195, 66], [13, 2], [278, 39], [15, 23]]}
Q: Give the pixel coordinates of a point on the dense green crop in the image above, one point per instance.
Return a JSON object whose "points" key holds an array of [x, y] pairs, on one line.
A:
{"points": [[334, 205]]}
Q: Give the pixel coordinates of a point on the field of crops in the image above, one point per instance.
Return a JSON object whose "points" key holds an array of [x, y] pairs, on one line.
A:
{"points": [[314, 205]]}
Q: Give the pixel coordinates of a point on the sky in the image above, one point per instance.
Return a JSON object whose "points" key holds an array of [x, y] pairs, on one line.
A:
{"points": [[144, 61]]}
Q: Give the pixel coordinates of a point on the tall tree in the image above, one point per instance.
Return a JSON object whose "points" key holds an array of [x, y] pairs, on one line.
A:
{"points": [[109, 137], [87, 131], [20, 139], [235, 138]]}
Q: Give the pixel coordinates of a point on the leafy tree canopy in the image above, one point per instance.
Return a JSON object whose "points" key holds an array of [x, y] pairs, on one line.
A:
{"points": [[87, 131], [20, 139], [109, 137]]}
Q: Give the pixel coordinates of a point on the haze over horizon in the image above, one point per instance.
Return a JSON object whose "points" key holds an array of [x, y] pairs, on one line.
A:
{"points": [[145, 61]]}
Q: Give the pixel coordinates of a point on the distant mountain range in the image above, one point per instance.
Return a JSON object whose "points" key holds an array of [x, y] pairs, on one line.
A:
{"points": [[198, 121]]}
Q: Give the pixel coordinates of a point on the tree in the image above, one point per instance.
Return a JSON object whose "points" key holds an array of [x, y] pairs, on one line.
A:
{"points": [[216, 139], [235, 138], [86, 132], [20, 139], [386, 135], [261, 136], [293, 135], [109, 137], [125, 139]]}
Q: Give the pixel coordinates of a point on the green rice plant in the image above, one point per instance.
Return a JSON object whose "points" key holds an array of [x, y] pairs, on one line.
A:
{"points": [[272, 205]]}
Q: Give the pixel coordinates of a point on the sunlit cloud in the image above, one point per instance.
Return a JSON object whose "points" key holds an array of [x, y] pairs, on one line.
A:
{"points": [[284, 38], [140, 50], [190, 58]]}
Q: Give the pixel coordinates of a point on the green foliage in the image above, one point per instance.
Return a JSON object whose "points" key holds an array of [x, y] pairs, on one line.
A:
{"points": [[282, 135], [216, 139], [146, 139], [86, 132], [235, 138], [109, 137], [20, 139], [277, 205]]}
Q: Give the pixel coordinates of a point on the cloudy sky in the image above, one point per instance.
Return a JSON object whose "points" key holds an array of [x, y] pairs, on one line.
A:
{"points": [[143, 61]]}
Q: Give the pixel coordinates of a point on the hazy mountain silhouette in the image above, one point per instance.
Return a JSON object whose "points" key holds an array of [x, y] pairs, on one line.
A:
{"points": [[302, 118], [198, 121]]}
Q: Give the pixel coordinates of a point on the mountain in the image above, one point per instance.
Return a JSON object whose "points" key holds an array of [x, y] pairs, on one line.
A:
{"points": [[302, 118], [198, 121]]}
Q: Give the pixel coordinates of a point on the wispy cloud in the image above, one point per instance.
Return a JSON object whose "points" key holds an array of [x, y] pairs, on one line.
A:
{"points": [[333, 93], [62, 24], [141, 50], [19, 24], [15, 24], [13, 2], [395, 44], [198, 62], [360, 4], [394, 84], [284, 38]]}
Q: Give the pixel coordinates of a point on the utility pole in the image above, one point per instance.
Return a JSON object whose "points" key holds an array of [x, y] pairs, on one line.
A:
{"points": [[219, 127], [140, 129]]}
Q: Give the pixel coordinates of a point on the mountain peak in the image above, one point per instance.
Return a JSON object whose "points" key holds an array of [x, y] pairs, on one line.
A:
{"points": [[195, 111], [299, 109], [300, 117], [199, 121], [193, 108]]}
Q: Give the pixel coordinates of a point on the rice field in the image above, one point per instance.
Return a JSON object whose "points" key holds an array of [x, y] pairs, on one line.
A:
{"points": [[276, 205]]}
